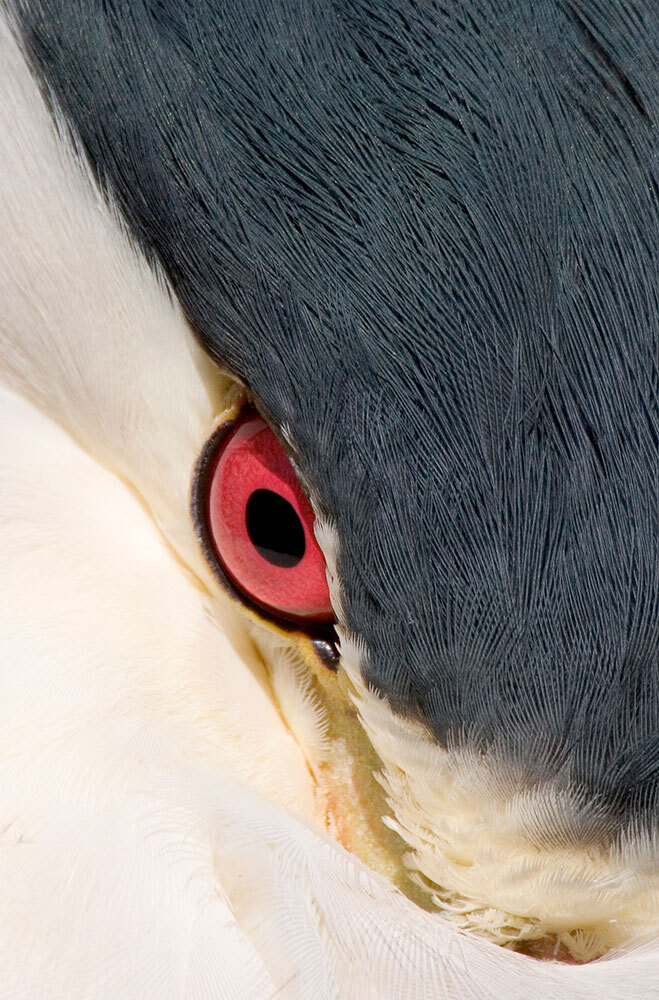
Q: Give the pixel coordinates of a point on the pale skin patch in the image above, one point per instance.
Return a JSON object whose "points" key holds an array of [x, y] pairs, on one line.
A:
{"points": [[316, 706]]}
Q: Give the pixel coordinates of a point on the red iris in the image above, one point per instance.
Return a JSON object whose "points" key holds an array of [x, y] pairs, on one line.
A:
{"points": [[262, 525]]}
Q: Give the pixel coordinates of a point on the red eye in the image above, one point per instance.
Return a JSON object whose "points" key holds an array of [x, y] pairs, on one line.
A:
{"points": [[262, 525]]}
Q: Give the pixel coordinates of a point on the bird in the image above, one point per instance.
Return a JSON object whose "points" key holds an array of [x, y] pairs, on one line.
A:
{"points": [[329, 645]]}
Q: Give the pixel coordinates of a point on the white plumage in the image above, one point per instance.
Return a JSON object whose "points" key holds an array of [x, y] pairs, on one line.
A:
{"points": [[157, 837]]}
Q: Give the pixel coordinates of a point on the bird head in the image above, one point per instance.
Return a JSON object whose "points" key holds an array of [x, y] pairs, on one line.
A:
{"points": [[390, 398]]}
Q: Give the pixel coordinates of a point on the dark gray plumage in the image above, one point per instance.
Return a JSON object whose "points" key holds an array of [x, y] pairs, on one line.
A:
{"points": [[425, 234]]}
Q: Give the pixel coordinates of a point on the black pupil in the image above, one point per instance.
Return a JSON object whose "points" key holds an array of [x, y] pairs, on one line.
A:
{"points": [[274, 528]]}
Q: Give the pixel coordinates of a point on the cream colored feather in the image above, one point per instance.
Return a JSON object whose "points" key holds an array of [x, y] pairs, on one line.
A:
{"points": [[156, 838]]}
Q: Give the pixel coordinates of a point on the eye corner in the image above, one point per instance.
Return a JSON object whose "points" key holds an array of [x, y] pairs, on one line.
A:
{"points": [[326, 649]]}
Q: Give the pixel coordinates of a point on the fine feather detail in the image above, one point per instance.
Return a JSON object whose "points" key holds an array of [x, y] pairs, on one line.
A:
{"points": [[510, 865], [425, 236], [135, 861]]}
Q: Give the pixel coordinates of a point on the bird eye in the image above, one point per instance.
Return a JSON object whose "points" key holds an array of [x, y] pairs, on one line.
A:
{"points": [[261, 525]]}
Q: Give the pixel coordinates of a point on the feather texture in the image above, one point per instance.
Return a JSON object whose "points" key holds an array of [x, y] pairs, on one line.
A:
{"points": [[137, 863], [158, 837], [425, 234]]}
